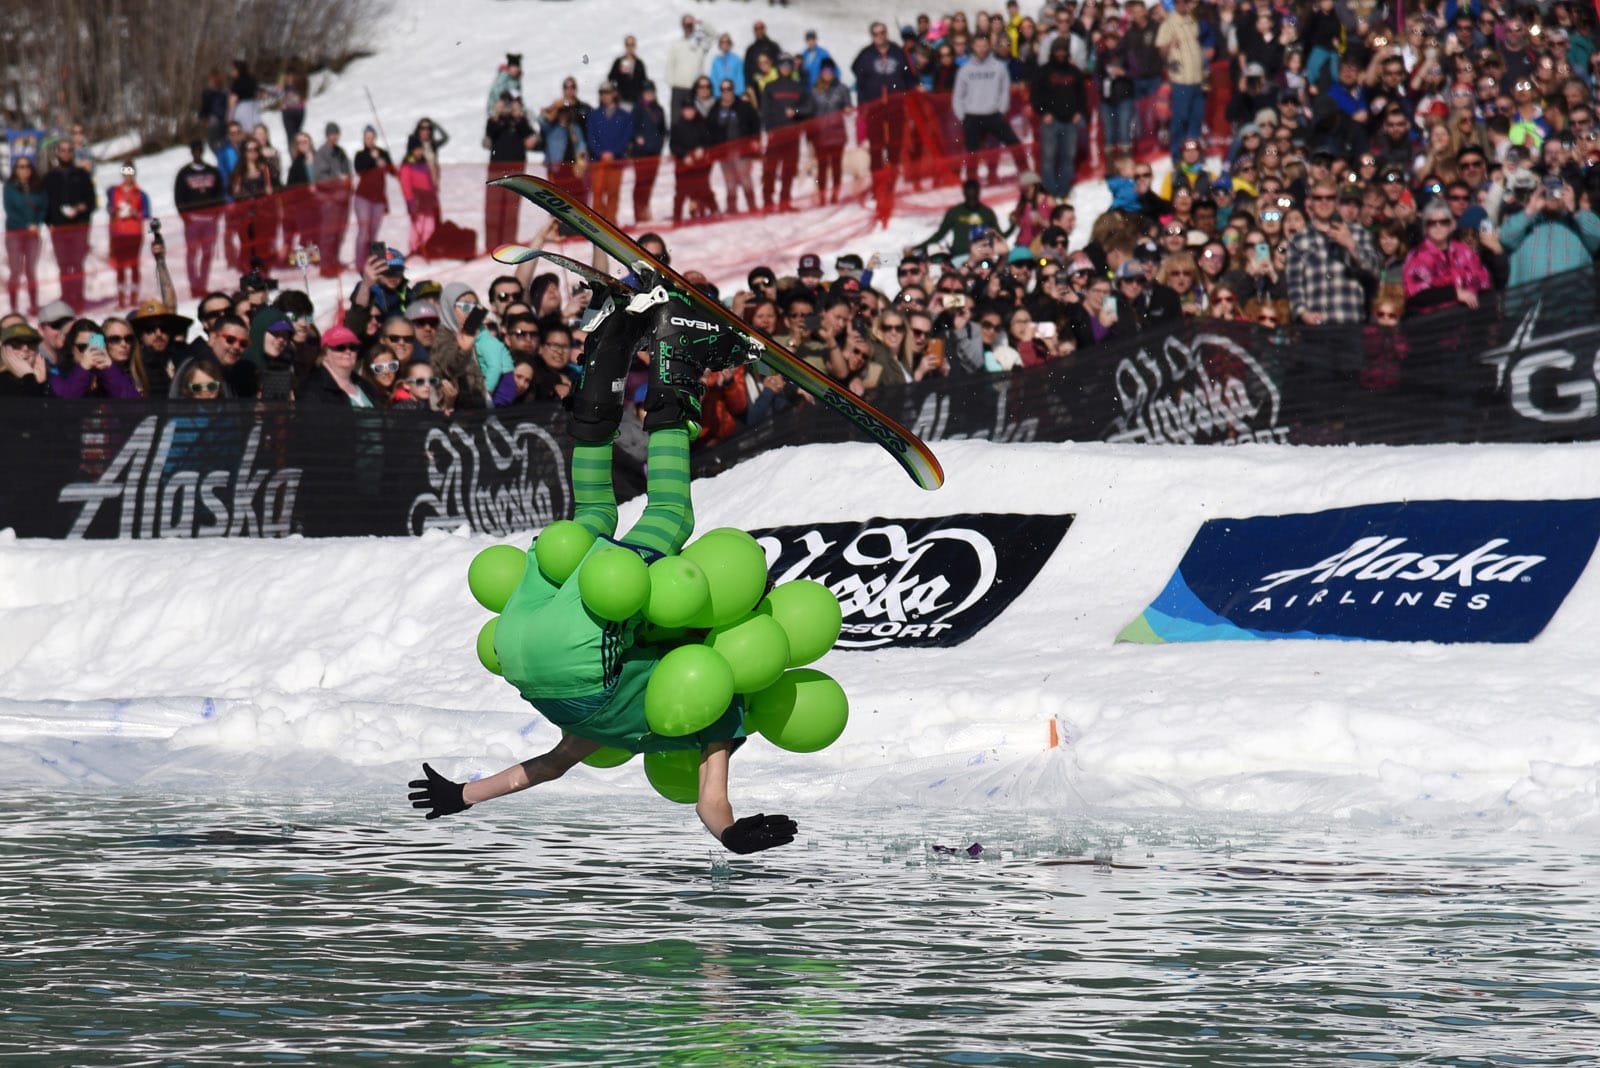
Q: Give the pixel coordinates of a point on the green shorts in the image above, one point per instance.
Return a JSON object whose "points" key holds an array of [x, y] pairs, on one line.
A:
{"points": [[588, 675]]}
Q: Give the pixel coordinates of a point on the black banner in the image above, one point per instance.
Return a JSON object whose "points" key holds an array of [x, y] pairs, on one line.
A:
{"points": [[914, 583], [1524, 366], [189, 470]]}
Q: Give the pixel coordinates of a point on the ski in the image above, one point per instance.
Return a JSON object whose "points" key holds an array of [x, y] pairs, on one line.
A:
{"points": [[909, 450], [511, 255]]}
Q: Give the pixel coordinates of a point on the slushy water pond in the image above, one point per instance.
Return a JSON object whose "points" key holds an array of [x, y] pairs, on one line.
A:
{"points": [[141, 930]]}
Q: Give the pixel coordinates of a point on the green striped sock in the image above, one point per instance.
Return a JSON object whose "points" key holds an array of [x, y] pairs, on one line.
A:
{"points": [[592, 490], [668, 518]]}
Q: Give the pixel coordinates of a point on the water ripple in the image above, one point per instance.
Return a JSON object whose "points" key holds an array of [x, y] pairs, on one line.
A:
{"points": [[143, 930]]}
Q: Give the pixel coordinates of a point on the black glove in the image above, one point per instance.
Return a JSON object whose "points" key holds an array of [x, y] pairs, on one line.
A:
{"points": [[755, 833], [439, 794]]}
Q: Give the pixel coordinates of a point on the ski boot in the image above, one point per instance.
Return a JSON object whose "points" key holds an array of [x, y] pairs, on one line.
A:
{"points": [[685, 344], [597, 401]]}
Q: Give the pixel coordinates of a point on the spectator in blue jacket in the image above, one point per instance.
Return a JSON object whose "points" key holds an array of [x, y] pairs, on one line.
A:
{"points": [[1550, 236], [610, 134], [727, 65], [811, 59]]}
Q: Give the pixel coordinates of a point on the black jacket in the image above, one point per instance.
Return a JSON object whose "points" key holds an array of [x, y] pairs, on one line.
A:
{"points": [[64, 187], [1058, 91], [319, 388]]}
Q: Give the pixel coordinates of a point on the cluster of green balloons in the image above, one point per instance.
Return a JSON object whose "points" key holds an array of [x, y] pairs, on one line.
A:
{"points": [[755, 642]]}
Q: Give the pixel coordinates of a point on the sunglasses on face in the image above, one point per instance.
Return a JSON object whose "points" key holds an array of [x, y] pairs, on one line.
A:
{"points": [[204, 389], [233, 341], [524, 333], [343, 348], [892, 328], [156, 329], [428, 381], [425, 324], [387, 367], [401, 339], [502, 297]]}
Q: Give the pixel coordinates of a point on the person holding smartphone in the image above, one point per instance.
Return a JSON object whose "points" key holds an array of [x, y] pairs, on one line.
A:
{"points": [[92, 372], [1328, 264]]}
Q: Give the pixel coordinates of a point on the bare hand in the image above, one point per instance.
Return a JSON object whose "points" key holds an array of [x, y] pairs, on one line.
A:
{"points": [[372, 269], [1469, 297]]}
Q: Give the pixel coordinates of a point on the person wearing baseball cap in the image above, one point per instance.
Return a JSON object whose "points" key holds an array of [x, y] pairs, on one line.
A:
{"points": [[334, 381], [763, 283], [22, 369]]}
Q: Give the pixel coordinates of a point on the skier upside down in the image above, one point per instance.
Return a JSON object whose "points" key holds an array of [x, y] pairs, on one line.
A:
{"points": [[587, 675]]}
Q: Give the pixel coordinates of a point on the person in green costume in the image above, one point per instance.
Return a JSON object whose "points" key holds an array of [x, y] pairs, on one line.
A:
{"points": [[585, 674]]}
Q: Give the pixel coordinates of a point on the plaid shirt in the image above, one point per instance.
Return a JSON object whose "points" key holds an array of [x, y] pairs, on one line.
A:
{"points": [[1322, 277]]}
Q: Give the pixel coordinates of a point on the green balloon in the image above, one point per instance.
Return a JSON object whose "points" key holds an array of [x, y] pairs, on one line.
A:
{"points": [[675, 776], [494, 575], [678, 592], [809, 614], [560, 548], [614, 583], [756, 648], [736, 571], [802, 712], [486, 653], [688, 690], [608, 757]]}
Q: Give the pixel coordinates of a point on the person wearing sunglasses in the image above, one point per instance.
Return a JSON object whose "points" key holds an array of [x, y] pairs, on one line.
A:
{"points": [[159, 335], [122, 345], [380, 369], [414, 388], [89, 369], [335, 381], [225, 346], [201, 379], [273, 345], [474, 367], [1329, 264]]}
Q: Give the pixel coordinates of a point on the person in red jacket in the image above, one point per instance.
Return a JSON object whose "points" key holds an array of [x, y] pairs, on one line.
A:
{"points": [[128, 207], [723, 408]]}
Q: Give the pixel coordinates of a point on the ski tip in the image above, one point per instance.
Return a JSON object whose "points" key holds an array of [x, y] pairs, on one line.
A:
{"points": [[514, 254]]}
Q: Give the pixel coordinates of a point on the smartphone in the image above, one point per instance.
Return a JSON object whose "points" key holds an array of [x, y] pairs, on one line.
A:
{"points": [[936, 351], [475, 320], [1045, 329], [1111, 306], [97, 341], [377, 249]]}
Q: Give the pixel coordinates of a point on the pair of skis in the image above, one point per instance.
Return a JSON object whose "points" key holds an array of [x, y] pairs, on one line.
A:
{"points": [[907, 449]]}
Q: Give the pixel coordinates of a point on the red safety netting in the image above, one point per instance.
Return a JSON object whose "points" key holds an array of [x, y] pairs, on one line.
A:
{"points": [[871, 155]]}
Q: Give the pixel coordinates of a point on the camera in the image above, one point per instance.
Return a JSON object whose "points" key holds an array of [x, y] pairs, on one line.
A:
{"points": [[155, 227], [255, 280], [1522, 182]]}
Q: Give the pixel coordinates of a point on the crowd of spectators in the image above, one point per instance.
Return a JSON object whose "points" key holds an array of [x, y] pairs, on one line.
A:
{"points": [[1358, 175]]}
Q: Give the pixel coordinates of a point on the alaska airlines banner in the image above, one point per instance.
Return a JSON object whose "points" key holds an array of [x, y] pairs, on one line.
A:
{"points": [[912, 583], [182, 469], [1441, 571]]}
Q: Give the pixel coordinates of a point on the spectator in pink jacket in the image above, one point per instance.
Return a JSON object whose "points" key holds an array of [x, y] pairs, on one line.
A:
{"points": [[1440, 272], [422, 198]]}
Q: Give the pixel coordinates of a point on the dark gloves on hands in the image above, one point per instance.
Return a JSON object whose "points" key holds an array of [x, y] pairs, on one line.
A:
{"points": [[755, 833], [441, 795]]}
